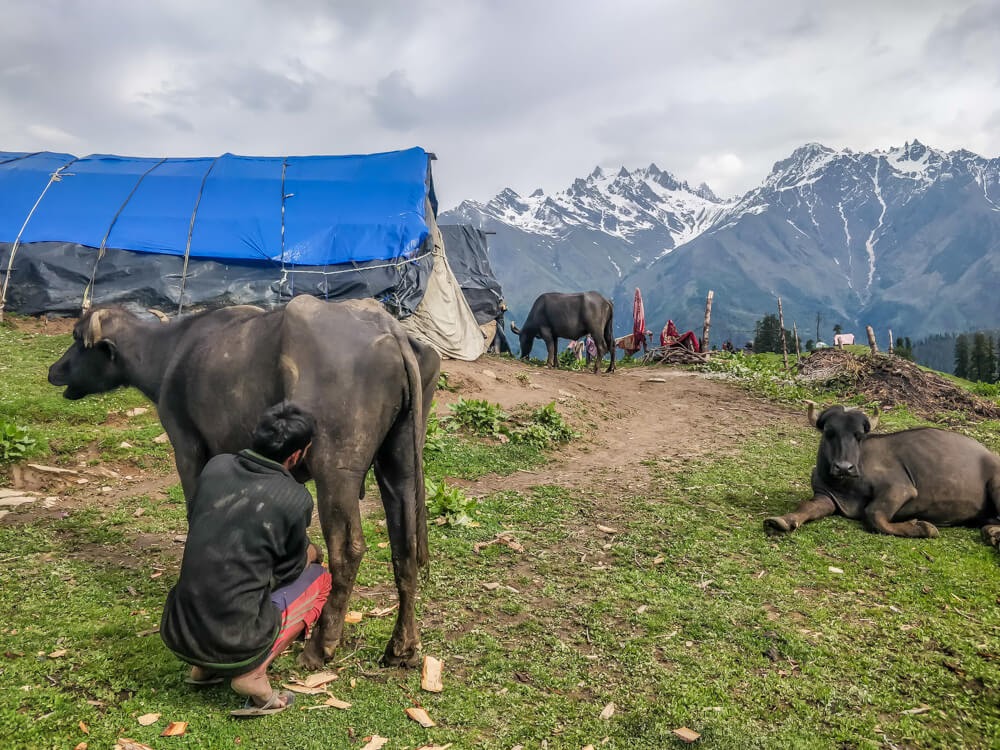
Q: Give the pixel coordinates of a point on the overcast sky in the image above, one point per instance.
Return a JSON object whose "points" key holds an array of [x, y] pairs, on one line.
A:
{"points": [[519, 94]]}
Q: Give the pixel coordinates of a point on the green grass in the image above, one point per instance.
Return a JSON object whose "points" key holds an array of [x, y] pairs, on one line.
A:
{"points": [[685, 615]]}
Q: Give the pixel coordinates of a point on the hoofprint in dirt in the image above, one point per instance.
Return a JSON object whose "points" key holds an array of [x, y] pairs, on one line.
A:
{"points": [[625, 419]]}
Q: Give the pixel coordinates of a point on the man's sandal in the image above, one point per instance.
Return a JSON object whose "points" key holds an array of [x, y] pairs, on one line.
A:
{"points": [[251, 709]]}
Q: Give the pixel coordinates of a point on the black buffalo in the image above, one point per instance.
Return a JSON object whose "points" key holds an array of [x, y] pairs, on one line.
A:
{"points": [[367, 383], [557, 316], [903, 483]]}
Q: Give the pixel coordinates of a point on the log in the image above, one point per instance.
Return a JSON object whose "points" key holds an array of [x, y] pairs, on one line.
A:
{"points": [[781, 326], [708, 321], [891, 350]]}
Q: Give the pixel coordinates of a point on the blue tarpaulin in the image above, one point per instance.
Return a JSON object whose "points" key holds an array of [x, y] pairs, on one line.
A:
{"points": [[298, 211]]}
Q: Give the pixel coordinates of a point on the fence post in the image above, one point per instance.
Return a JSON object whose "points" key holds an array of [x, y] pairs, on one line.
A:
{"points": [[708, 321], [781, 326], [871, 339]]}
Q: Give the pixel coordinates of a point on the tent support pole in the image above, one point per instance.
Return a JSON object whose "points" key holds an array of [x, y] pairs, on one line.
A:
{"points": [[187, 247]]}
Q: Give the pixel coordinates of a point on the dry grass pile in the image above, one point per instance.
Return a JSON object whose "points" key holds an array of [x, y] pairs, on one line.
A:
{"points": [[892, 381]]}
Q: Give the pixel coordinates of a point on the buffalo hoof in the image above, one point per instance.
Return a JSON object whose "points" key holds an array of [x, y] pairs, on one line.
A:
{"points": [[310, 660], [926, 529], [779, 525], [410, 658], [991, 535]]}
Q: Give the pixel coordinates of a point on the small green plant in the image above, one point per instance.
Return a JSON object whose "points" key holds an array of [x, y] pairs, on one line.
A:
{"points": [[479, 416], [434, 440], [449, 503], [443, 384], [545, 427], [523, 378], [15, 442]]}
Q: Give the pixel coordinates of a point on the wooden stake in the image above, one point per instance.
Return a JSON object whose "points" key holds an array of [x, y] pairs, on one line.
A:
{"points": [[781, 325], [871, 339], [795, 330], [708, 321], [891, 348]]}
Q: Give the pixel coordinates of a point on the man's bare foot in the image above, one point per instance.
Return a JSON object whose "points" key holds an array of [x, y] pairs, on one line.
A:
{"points": [[256, 686], [202, 676]]}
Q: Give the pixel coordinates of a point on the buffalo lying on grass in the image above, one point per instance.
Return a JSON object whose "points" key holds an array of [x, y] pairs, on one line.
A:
{"points": [[557, 316], [903, 483], [367, 383]]}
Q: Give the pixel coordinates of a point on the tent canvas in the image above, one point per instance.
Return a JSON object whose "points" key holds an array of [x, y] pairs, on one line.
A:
{"points": [[208, 231], [468, 255]]}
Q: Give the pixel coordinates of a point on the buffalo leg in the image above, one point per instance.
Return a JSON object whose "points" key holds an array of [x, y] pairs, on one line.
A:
{"points": [[406, 523], [337, 491], [880, 512], [550, 348], [819, 506]]}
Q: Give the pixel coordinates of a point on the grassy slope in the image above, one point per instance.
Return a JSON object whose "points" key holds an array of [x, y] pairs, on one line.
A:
{"points": [[687, 615]]}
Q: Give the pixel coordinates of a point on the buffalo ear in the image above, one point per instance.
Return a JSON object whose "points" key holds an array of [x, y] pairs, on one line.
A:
{"points": [[109, 347]]}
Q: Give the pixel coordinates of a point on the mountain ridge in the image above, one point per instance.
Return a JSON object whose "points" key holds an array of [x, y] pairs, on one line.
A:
{"points": [[907, 238]]}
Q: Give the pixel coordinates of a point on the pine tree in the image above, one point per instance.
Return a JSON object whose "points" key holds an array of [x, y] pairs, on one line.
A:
{"points": [[767, 335], [962, 356], [981, 360], [990, 360]]}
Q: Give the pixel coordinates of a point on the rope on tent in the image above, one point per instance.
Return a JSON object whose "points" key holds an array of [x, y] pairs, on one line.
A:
{"points": [[85, 305], [54, 177], [393, 264], [187, 247], [284, 197]]}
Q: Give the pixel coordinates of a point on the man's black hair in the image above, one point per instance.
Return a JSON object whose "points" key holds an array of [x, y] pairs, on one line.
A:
{"points": [[282, 430]]}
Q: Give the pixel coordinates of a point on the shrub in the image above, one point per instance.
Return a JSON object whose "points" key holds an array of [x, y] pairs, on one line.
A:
{"points": [[449, 503], [545, 427], [15, 442], [479, 416]]}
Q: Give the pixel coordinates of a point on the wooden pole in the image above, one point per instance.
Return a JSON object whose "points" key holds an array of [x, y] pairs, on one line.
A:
{"points": [[795, 330], [708, 321], [891, 348], [781, 326], [871, 339]]}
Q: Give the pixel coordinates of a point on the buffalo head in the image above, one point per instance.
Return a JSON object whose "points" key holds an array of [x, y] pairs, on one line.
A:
{"points": [[93, 363], [843, 431], [525, 339]]}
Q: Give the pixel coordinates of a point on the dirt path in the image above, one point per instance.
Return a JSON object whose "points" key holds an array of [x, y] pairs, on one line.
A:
{"points": [[634, 415]]}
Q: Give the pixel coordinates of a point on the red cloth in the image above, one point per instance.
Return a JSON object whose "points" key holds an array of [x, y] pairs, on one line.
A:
{"points": [[638, 322], [670, 337]]}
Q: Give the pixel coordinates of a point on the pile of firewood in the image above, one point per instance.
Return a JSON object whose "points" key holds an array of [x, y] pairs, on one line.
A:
{"points": [[673, 355]]}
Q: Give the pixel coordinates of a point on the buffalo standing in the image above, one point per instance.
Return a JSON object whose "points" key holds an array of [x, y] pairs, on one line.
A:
{"points": [[555, 316], [904, 483], [367, 383]]}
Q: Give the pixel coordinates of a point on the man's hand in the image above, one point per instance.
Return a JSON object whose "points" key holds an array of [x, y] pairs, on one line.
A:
{"points": [[314, 554]]}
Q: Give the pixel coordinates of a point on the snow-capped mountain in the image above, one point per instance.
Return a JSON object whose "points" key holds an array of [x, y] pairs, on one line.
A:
{"points": [[907, 238]]}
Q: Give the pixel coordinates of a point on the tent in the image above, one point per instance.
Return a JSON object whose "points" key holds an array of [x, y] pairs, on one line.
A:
{"points": [[182, 233], [468, 256]]}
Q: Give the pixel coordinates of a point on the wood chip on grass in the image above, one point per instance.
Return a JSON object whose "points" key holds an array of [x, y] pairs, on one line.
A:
{"points": [[297, 688], [126, 743], [353, 617], [175, 729], [375, 742], [688, 735], [315, 680], [430, 676], [148, 719], [421, 716], [330, 702], [608, 711]]}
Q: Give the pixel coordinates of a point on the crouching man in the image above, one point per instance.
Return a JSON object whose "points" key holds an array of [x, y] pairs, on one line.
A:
{"points": [[250, 581]]}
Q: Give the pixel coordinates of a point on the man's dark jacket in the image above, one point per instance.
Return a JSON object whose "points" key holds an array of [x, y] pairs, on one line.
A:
{"points": [[246, 537]]}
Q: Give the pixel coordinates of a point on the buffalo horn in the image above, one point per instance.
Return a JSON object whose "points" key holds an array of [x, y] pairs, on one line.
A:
{"points": [[514, 328], [159, 314], [93, 332], [811, 414], [873, 419]]}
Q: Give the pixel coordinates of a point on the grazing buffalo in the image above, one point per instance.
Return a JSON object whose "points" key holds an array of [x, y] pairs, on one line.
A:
{"points": [[350, 364], [903, 483], [557, 316]]}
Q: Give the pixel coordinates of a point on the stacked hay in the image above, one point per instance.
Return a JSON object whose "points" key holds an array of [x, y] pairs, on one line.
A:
{"points": [[890, 381]]}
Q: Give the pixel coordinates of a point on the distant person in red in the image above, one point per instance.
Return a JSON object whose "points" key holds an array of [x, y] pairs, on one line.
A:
{"points": [[670, 337]]}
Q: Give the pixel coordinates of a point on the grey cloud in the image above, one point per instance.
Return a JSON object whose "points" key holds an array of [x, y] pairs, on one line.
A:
{"points": [[395, 103]]}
